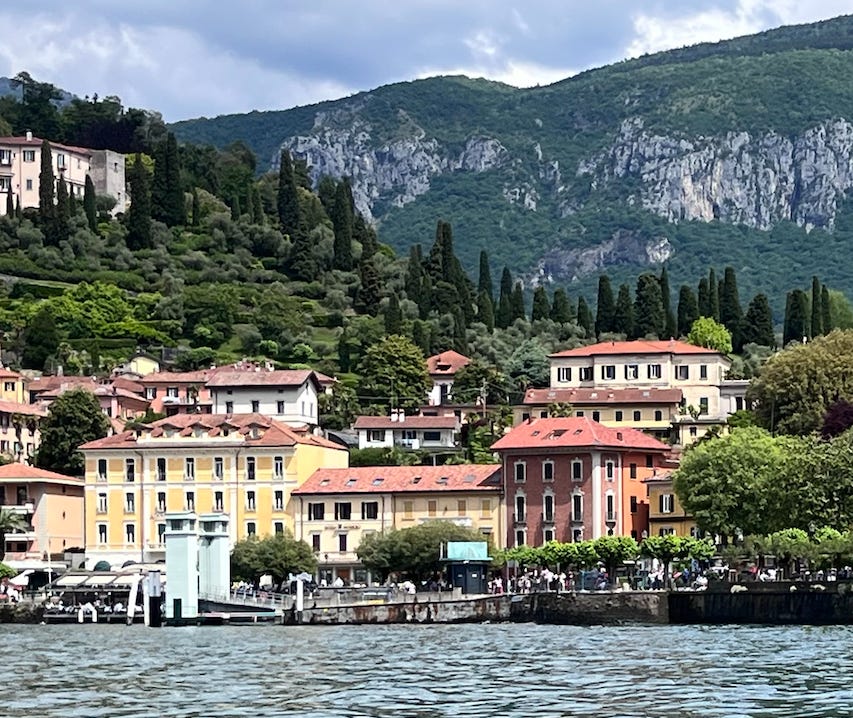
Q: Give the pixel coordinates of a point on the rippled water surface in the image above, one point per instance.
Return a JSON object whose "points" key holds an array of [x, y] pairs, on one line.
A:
{"points": [[427, 671]]}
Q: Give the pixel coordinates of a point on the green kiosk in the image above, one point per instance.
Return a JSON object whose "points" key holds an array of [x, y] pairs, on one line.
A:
{"points": [[468, 565]]}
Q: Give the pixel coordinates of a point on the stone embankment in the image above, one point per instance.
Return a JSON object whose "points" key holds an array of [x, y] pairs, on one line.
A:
{"points": [[23, 612]]}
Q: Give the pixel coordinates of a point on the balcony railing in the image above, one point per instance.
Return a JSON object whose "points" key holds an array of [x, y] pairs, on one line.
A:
{"points": [[610, 517], [21, 509], [27, 534]]}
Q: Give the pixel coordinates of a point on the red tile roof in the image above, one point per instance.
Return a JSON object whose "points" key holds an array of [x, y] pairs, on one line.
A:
{"points": [[408, 422], [121, 382], [14, 407], [400, 479], [640, 346], [177, 377], [283, 377], [31, 473], [35, 143], [660, 477], [603, 396], [272, 433], [447, 363], [574, 432], [8, 374], [60, 383]]}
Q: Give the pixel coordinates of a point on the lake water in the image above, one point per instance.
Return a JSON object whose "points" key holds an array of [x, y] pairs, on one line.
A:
{"points": [[426, 671]]}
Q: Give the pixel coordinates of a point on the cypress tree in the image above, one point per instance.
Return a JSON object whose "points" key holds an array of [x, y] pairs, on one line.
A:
{"points": [[796, 317], [485, 280], [731, 313], [688, 310], [825, 310], [196, 218], [89, 204], [287, 199], [670, 326], [414, 275], [303, 263], [562, 311], [257, 205], [236, 212], [365, 235], [704, 298], [541, 309], [460, 332], [46, 187], [816, 327], [585, 317], [139, 215], [757, 325], [421, 335], [369, 293], [605, 308], [503, 317], [713, 296], [425, 301], [623, 316], [342, 220], [393, 316], [18, 208], [175, 206], [72, 202], [10, 204], [486, 310], [158, 186], [648, 307], [60, 219], [516, 304]]}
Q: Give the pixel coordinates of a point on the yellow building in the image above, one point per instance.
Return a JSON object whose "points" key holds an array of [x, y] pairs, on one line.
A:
{"points": [[12, 386], [666, 515], [243, 465], [336, 508]]}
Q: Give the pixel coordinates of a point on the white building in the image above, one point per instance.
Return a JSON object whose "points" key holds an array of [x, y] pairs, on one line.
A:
{"points": [[442, 370], [287, 395], [407, 432]]}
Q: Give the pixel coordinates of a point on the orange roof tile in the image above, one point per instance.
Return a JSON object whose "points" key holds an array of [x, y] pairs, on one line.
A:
{"points": [[400, 479], [574, 432], [447, 363], [640, 346], [32, 473], [603, 396], [14, 407], [282, 377]]}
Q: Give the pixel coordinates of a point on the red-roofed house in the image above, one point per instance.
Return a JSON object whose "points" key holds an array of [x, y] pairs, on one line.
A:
{"points": [[436, 433], [442, 370], [244, 465], [698, 373], [51, 506], [289, 395], [570, 479], [336, 508]]}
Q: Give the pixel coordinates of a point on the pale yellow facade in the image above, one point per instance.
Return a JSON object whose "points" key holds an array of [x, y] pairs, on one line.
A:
{"points": [[666, 515], [12, 386], [655, 419]]}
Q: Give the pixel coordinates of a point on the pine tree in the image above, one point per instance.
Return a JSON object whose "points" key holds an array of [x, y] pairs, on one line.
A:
{"points": [[485, 280], [731, 313], [258, 216], [713, 296], [516, 304], [816, 327], [414, 275], [541, 309], [649, 318], [825, 310], [562, 311], [623, 316], [688, 310], [605, 308], [585, 317], [60, 220], [90, 205], [288, 197], [393, 316], [196, 218], [503, 317], [704, 298], [757, 327], [796, 317], [670, 326], [139, 215], [342, 221], [47, 182], [486, 310]]}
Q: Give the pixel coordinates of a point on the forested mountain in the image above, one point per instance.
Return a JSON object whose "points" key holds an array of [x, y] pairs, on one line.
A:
{"points": [[738, 152]]}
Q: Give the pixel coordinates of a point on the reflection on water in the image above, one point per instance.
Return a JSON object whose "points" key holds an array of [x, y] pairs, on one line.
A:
{"points": [[427, 671]]}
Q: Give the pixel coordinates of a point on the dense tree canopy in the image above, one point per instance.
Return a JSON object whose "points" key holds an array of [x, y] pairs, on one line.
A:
{"points": [[72, 420], [279, 556]]}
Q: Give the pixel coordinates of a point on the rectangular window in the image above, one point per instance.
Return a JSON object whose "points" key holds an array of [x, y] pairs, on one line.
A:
{"points": [[633, 504], [130, 533], [703, 371], [316, 512], [278, 500], [102, 503], [315, 542], [278, 467], [461, 507], [161, 501], [703, 405], [9, 386], [633, 470], [250, 468], [564, 373], [161, 534], [161, 469], [608, 371], [632, 371], [617, 415], [189, 469], [520, 509], [29, 185], [638, 415], [29, 155], [610, 470], [577, 508], [376, 435], [432, 508], [279, 407], [548, 535], [658, 415], [172, 392], [343, 511], [485, 508], [520, 472], [520, 537], [342, 542], [408, 509], [577, 471], [130, 503], [369, 510], [650, 461], [543, 414], [666, 503], [256, 406], [278, 527], [654, 371], [190, 500], [250, 501], [579, 414], [609, 508], [218, 468], [150, 392], [102, 469], [229, 407], [251, 528], [596, 416], [102, 533], [218, 501], [129, 470], [682, 372], [434, 436], [548, 508], [586, 373], [548, 471]]}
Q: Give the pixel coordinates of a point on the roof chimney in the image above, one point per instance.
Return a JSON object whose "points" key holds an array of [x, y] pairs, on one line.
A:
{"points": [[29, 136]]}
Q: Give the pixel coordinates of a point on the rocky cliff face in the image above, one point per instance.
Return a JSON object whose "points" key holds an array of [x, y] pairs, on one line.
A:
{"points": [[738, 178]]}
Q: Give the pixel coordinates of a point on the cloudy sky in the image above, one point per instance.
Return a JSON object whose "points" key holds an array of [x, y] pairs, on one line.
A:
{"points": [[188, 58]]}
